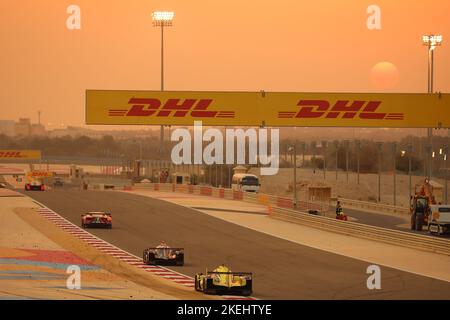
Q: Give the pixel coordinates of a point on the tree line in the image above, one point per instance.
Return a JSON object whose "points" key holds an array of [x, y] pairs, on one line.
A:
{"points": [[319, 153]]}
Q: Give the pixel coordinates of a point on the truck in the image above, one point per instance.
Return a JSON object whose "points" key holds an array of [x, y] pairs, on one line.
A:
{"points": [[439, 219], [421, 203]]}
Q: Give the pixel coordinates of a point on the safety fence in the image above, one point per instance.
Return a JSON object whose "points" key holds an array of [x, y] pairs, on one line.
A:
{"points": [[323, 207], [373, 206], [225, 193], [394, 237]]}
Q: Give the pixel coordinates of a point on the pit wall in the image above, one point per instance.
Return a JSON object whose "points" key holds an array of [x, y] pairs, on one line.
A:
{"points": [[225, 193], [271, 200]]}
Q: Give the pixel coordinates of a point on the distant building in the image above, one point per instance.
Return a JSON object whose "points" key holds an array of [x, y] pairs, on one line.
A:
{"points": [[23, 127], [37, 130], [7, 127], [75, 132]]}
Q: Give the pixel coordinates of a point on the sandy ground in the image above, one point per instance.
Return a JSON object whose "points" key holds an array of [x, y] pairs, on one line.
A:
{"points": [[367, 190], [30, 246], [405, 259]]}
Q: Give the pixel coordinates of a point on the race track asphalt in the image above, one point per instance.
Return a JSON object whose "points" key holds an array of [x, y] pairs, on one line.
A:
{"points": [[377, 220], [282, 269]]}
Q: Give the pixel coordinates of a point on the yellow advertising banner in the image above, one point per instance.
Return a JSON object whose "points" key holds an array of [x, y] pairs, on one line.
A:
{"points": [[271, 109], [40, 174], [20, 154]]}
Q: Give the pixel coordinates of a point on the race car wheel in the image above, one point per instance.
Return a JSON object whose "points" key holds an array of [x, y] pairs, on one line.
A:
{"points": [[197, 284], [145, 258]]}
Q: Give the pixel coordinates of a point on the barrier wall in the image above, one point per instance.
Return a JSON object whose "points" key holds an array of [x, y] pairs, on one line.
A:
{"points": [[224, 193], [269, 200]]}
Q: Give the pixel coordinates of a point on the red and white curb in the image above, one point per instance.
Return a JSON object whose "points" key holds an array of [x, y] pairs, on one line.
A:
{"points": [[120, 254], [112, 250]]}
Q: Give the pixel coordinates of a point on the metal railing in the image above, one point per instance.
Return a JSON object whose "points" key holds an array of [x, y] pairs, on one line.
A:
{"points": [[279, 201], [394, 237], [373, 206], [226, 193]]}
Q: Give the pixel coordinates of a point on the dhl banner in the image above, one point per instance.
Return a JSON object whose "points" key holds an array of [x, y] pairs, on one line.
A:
{"points": [[40, 174], [271, 109], [20, 154]]}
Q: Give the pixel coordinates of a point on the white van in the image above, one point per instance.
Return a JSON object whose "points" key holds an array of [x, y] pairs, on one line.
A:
{"points": [[245, 182]]}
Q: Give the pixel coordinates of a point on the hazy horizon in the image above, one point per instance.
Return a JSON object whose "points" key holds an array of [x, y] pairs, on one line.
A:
{"points": [[232, 45]]}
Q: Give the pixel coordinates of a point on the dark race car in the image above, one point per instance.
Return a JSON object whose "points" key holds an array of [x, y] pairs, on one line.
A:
{"points": [[58, 182], [222, 281], [164, 256], [96, 220], [34, 186]]}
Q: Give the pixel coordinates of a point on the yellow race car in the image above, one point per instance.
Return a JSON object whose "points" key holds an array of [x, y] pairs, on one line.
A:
{"points": [[223, 281]]}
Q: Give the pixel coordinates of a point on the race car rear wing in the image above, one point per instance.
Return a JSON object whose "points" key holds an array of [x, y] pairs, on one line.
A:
{"points": [[247, 275], [168, 248], [90, 213]]}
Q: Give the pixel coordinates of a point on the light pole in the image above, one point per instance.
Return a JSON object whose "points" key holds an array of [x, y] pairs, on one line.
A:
{"points": [[358, 148], [162, 19], [336, 146], [409, 149], [286, 154], [380, 149], [293, 150], [314, 148], [446, 173], [324, 152], [216, 179], [292, 159], [347, 143], [394, 151], [202, 178], [429, 155], [303, 153], [432, 155], [431, 41], [210, 174]]}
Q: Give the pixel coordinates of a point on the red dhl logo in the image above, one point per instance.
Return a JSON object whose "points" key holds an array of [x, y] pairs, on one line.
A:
{"points": [[40, 174], [341, 109], [144, 107], [11, 154]]}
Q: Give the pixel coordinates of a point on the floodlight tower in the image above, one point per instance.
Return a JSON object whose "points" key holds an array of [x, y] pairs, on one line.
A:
{"points": [[162, 19], [431, 41]]}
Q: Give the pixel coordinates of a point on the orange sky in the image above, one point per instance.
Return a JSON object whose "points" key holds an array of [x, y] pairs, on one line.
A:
{"points": [[283, 45]]}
